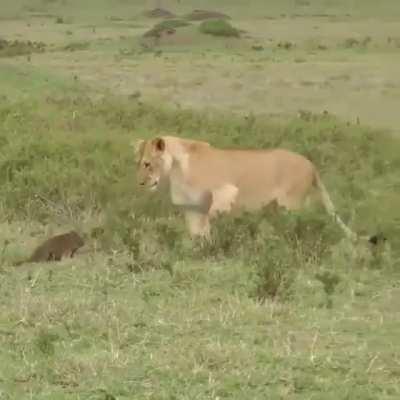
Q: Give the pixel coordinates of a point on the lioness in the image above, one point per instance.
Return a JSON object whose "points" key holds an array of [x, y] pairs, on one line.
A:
{"points": [[205, 180]]}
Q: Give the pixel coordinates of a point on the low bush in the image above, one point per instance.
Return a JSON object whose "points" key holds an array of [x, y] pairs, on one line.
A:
{"points": [[218, 27], [70, 155]]}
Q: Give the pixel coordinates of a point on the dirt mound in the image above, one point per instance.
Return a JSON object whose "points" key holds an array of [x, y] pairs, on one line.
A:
{"points": [[159, 33], [159, 13], [12, 48], [201, 15], [165, 28]]}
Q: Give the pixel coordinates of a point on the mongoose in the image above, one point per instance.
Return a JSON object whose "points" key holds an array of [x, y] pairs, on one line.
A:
{"points": [[55, 248]]}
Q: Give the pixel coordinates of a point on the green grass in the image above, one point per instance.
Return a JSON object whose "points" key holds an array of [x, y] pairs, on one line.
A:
{"points": [[305, 44], [277, 306], [77, 46], [25, 81], [97, 10], [218, 27]]}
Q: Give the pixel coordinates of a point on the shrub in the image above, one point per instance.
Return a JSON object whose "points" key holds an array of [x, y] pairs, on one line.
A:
{"points": [[9, 48], [351, 42], [76, 46], [218, 27], [52, 164], [275, 269], [329, 282]]}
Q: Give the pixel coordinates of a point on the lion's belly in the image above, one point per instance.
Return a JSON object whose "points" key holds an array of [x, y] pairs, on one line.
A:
{"points": [[260, 178], [256, 194], [249, 202], [279, 176]]}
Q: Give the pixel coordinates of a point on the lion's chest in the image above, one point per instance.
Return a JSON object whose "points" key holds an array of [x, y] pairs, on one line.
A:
{"points": [[180, 193], [185, 191]]}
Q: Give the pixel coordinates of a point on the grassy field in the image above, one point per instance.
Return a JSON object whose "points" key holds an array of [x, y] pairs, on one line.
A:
{"points": [[278, 306], [293, 54]]}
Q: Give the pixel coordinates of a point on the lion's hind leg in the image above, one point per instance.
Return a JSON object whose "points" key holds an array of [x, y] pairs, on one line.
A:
{"points": [[290, 202]]}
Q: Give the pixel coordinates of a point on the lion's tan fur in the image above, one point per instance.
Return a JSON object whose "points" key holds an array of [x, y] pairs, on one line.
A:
{"points": [[205, 180]]}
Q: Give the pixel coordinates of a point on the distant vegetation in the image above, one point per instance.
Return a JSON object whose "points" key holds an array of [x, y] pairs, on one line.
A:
{"points": [[13, 48], [201, 15], [219, 27]]}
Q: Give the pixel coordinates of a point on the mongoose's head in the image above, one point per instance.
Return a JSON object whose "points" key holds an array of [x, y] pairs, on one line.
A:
{"points": [[77, 240]]}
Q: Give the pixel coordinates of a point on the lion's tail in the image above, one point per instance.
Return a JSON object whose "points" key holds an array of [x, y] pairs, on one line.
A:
{"points": [[330, 208]]}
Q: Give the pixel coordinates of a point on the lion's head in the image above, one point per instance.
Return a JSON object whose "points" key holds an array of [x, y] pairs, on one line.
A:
{"points": [[153, 162]]}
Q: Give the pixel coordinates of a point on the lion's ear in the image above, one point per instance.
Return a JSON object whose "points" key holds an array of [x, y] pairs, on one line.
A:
{"points": [[159, 144], [137, 147]]}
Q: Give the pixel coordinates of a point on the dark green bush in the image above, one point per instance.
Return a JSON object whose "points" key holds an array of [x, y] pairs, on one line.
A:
{"points": [[53, 164], [218, 27], [13, 48]]}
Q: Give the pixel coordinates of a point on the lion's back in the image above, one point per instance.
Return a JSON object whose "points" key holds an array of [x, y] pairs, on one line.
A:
{"points": [[259, 175]]}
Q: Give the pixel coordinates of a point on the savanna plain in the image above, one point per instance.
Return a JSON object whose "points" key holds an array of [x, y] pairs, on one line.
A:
{"points": [[278, 305]]}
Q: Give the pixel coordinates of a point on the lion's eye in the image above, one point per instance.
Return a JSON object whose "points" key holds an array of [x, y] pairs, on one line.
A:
{"points": [[146, 164]]}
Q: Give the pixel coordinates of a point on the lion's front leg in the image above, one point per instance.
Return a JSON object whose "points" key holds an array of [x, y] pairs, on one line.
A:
{"points": [[184, 195], [198, 223]]}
